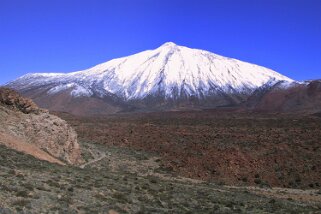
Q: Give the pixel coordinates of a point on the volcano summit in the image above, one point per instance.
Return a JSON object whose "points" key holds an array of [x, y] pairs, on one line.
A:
{"points": [[168, 77]]}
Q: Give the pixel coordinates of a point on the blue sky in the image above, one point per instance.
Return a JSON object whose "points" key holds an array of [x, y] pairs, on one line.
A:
{"points": [[70, 35]]}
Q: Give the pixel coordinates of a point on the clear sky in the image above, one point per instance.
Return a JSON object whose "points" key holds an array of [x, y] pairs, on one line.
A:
{"points": [[71, 35]]}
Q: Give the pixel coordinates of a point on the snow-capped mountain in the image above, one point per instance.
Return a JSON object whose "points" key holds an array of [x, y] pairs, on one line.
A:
{"points": [[169, 69], [170, 72]]}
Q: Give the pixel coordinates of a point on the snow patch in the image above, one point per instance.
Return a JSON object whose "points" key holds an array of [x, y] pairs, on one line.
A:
{"points": [[60, 88], [80, 91]]}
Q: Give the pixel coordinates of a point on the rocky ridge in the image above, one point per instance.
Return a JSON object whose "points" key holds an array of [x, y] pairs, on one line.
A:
{"points": [[32, 130]]}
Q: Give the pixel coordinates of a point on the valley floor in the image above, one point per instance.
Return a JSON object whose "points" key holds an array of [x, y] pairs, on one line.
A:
{"points": [[127, 181], [224, 147], [174, 162]]}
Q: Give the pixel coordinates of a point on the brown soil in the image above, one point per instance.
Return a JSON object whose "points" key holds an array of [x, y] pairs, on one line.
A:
{"points": [[220, 146]]}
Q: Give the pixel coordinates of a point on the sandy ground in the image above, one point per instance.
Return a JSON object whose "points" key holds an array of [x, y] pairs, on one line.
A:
{"points": [[19, 145]]}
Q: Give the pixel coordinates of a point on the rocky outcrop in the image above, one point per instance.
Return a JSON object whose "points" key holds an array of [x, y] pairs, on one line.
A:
{"points": [[14, 101], [27, 128]]}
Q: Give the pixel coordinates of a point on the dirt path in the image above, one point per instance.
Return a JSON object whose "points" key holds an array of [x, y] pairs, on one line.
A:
{"points": [[93, 161], [306, 196]]}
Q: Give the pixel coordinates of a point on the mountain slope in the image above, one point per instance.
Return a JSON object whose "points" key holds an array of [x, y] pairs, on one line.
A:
{"points": [[302, 97], [165, 76]]}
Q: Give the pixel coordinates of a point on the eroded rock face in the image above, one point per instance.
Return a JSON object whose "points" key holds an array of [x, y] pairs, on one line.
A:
{"points": [[14, 101], [25, 122]]}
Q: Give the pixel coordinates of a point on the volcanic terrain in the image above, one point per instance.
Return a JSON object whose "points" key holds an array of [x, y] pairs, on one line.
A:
{"points": [[169, 130]]}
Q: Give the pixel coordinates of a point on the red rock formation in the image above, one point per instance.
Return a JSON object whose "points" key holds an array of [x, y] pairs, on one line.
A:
{"points": [[40, 134]]}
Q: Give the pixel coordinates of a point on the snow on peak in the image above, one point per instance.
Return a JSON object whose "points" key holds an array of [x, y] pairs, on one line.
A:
{"points": [[168, 45], [169, 70]]}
